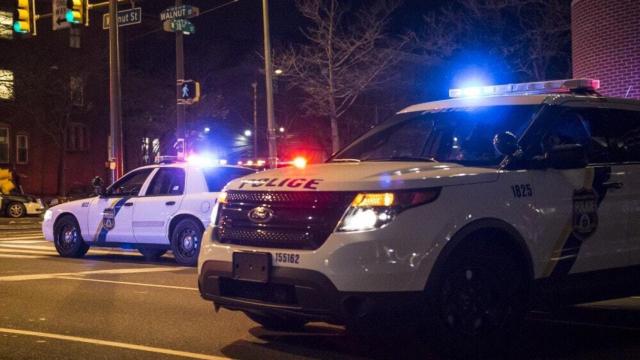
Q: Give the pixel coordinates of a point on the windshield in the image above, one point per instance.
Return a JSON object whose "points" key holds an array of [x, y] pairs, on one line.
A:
{"points": [[462, 135]]}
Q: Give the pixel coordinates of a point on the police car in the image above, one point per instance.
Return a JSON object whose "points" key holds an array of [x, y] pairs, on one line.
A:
{"points": [[153, 208], [459, 213]]}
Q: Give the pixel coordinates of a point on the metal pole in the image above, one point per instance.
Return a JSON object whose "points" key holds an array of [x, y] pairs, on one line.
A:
{"points": [[115, 148], [180, 110], [268, 72], [255, 119]]}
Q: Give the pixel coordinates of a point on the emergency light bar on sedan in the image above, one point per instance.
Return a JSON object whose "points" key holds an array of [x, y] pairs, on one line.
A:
{"points": [[539, 87]]}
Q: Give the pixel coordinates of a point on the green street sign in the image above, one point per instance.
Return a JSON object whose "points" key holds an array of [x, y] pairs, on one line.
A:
{"points": [[179, 25], [179, 12]]}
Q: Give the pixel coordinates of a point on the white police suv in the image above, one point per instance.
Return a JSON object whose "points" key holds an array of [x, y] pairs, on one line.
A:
{"points": [[458, 213], [153, 208]]}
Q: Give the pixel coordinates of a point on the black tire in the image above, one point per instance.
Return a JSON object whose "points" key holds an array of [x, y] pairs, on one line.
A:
{"points": [[185, 241], [277, 322], [16, 210], [478, 301], [151, 254], [68, 239]]}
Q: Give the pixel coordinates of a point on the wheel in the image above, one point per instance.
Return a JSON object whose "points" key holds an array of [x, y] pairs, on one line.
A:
{"points": [[16, 210], [185, 241], [152, 254], [478, 301], [67, 238], [276, 322]]}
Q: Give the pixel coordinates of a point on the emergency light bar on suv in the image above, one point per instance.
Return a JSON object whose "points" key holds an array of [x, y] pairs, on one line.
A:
{"points": [[530, 88]]}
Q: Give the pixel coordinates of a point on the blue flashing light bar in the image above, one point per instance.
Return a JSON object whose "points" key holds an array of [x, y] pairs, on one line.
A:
{"points": [[539, 87]]}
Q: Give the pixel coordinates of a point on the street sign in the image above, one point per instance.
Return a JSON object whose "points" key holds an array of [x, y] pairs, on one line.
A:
{"points": [[189, 92], [179, 12], [125, 17], [58, 15], [175, 25]]}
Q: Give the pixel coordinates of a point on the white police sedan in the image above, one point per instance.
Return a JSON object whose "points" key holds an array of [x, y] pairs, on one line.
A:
{"points": [[152, 208]]}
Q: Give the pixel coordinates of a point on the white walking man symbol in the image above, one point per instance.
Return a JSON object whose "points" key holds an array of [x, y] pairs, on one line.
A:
{"points": [[185, 91]]}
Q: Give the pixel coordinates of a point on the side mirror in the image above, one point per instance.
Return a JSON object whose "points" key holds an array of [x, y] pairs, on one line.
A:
{"points": [[98, 186], [505, 143], [568, 156]]}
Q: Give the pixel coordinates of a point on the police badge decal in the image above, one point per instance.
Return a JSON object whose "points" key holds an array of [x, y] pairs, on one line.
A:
{"points": [[108, 219], [585, 213]]}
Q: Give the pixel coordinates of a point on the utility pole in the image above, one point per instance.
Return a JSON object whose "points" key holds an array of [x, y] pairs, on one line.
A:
{"points": [[268, 73], [115, 149], [180, 110], [254, 85]]}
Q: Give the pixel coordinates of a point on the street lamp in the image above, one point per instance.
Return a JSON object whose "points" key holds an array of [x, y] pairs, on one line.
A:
{"points": [[247, 133]]}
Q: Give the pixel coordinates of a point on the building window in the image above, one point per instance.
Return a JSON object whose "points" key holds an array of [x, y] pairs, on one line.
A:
{"points": [[6, 84], [4, 145], [22, 149], [6, 25], [76, 90], [77, 138]]}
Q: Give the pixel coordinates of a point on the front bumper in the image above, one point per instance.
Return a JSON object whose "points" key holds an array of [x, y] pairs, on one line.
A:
{"points": [[301, 293]]}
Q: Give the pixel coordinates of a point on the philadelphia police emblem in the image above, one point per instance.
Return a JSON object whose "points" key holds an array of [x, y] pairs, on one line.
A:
{"points": [[585, 215], [108, 219]]}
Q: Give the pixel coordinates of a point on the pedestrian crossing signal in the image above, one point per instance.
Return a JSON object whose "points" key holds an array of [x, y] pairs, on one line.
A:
{"points": [[188, 92]]}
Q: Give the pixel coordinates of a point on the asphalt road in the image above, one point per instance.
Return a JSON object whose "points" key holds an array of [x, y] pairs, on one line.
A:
{"points": [[114, 305]]}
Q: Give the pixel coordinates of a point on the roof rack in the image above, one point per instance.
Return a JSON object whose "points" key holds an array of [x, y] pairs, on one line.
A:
{"points": [[576, 86]]}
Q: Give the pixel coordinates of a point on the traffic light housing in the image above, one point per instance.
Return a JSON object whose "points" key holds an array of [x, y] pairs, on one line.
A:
{"points": [[77, 12], [23, 17]]}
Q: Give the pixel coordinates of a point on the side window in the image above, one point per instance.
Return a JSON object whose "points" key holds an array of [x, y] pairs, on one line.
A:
{"points": [[217, 178], [584, 126], [131, 184], [167, 181], [625, 132]]}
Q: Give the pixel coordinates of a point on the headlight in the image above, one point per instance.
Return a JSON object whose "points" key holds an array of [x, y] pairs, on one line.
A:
{"points": [[48, 215], [371, 211], [222, 199]]}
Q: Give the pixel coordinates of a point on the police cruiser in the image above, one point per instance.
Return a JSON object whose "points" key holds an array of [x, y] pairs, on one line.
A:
{"points": [[458, 213], [153, 208]]}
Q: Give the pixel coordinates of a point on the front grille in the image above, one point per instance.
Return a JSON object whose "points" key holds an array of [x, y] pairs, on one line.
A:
{"points": [[299, 220]]}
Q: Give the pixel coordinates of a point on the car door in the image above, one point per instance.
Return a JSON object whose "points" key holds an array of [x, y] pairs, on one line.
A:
{"points": [[153, 211], [111, 215], [583, 212], [625, 128]]}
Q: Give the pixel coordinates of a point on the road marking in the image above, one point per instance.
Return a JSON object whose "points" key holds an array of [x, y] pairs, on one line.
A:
{"points": [[23, 242], [92, 272], [116, 344], [129, 283], [91, 251], [22, 251], [33, 237], [16, 256]]}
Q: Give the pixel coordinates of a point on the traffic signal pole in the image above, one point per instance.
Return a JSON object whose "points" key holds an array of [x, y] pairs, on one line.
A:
{"points": [[116, 147], [180, 110], [268, 74]]}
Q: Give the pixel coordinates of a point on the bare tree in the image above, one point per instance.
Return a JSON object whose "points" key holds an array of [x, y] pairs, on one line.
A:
{"points": [[346, 52], [532, 35]]}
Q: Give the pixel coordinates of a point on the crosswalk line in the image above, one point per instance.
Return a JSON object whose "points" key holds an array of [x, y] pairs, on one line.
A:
{"points": [[21, 251], [17, 256], [44, 247]]}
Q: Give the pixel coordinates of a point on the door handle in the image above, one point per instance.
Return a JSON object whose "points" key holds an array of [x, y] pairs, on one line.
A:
{"points": [[612, 185], [128, 204], [170, 203]]}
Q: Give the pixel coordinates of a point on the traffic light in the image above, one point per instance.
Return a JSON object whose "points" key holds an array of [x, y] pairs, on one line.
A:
{"points": [[77, 12], [23, 21], [189, 92]]}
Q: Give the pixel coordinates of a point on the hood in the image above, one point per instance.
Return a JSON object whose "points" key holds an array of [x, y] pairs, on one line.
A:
{"points": [[73, 205], [364, 176]]}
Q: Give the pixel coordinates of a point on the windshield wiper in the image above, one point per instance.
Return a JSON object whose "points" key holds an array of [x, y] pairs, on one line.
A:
{"points": [[345, 160], [406, 158]]}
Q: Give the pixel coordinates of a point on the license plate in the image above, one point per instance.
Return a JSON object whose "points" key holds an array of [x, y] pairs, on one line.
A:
{"points": [[251, 266]]}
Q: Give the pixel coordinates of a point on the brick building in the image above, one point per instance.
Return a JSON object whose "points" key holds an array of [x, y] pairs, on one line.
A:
{"points": [[606, 44], [53, 152]]}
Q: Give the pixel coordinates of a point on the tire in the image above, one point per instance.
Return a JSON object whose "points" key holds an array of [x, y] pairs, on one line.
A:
{"points": [[68, 239], [16, 210], [478, 302], [277, 322], [152, 254], [185, 241]]}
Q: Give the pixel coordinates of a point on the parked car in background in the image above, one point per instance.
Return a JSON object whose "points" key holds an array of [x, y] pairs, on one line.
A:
{"points": [[19, 205]]}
